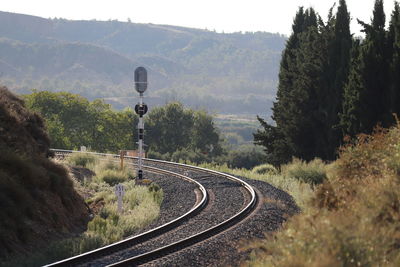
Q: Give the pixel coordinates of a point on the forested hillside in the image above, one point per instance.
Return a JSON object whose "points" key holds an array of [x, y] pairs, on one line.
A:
{"points": [[231, 73]]}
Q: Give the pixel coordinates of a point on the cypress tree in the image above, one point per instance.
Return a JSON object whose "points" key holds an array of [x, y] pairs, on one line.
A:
{"points": [[339, 59], [369, 80], [394, 55], [305, 129], [336, 42], [278, 144], [350, 116]]}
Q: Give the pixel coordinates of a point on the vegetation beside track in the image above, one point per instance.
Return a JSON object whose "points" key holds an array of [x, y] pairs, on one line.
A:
{"points": [[352, 219], [38, 202], [97, 178]]}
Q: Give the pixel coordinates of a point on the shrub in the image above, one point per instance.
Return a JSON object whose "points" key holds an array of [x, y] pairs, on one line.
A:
{"points": [[157, 155], [81, 159], [186, 156], [354, 218], [112, 177], [245, 157], [313, 172], [265, 169], [107, 164]]}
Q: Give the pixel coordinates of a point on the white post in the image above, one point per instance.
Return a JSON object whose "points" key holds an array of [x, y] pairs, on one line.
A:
{"points": [[120, 192]]}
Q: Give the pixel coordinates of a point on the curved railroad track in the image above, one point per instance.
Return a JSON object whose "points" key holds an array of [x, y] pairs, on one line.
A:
{"points": [[225, 201]]}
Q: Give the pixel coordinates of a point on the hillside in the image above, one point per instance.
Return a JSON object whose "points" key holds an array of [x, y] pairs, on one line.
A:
{"points": [[37, 200], [97, 59]]}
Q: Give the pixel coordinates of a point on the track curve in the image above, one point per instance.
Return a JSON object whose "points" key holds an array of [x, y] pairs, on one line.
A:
{"points": [[240, 199]]}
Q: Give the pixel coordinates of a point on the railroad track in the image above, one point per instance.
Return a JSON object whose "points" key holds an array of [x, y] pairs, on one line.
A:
{"points": [[225, 201]]}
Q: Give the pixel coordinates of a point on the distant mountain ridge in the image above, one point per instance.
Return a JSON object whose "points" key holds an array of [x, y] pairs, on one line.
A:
{"points": [[97, 59]]}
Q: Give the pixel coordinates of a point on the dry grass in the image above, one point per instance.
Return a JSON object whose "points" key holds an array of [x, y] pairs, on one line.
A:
{"points": [[141, 206], [354, 216], [300, 191]]}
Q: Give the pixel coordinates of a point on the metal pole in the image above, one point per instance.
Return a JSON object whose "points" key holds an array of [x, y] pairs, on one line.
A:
{"points": [[141, 109], [141, 136]]}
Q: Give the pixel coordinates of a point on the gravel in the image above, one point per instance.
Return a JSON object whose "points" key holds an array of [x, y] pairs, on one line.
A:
{"points": [[226, 198], [226, 248]]}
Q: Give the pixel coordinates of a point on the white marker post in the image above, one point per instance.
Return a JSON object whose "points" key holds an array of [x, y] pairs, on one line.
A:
{"points": [[120, 192]]}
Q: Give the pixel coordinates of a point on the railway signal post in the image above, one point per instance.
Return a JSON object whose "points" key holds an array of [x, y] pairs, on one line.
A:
{"points": [[140, 109]]}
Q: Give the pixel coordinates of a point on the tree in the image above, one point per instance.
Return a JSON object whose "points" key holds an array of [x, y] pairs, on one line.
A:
{"points": [[394, 54], [314, 69], [349, 117], [174, 128], [368, 94], [204, 134], [73, 121], [169, 128], [339, 49], [278, 142]]}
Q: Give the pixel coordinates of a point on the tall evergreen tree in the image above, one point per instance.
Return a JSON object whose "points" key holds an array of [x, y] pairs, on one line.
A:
{"points": [[350, 116], [336, 42], [339, 59], [278, 145], [314, 69], [394, 54], [369, 80]]}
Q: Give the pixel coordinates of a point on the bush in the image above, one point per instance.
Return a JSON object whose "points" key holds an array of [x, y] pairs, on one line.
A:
{"points": [[245, 157], [312, 173], [107, 164], [112, 177], [81, 159], [265, 169], [157, 155], [186, 156], [354, 216]]}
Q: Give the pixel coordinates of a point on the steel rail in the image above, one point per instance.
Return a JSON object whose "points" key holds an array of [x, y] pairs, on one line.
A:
{"points": [[168, 249], [144, 236], [196, 238]]}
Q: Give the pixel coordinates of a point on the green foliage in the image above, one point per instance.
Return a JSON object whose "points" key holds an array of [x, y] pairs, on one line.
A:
{"points": [[81, 159], [371, 95], [73, 121], [157, 155], [185, 155], [112, 177], [265, 169], [141, 206], [313, 172], [37, 198], [175, 129], [244, 157], [353, 218], [332, 85]]}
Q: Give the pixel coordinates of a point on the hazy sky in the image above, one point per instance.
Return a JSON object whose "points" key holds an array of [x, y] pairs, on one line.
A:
{"points": [[221, 15]]}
